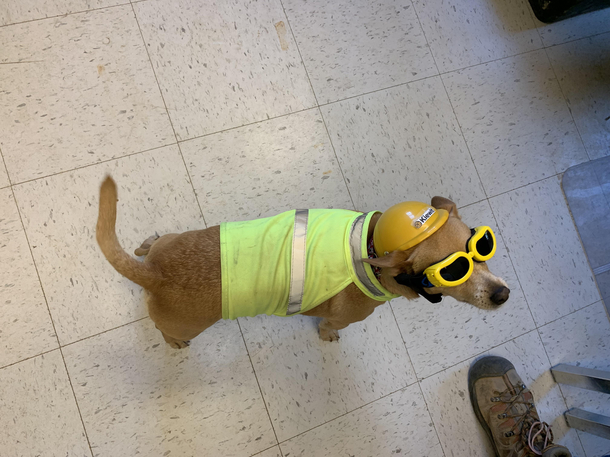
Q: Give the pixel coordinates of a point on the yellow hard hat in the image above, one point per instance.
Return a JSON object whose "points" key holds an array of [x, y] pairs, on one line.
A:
{"points": [[406, 224]]}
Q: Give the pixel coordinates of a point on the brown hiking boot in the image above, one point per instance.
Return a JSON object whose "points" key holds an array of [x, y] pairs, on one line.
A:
{"points": [[505, 408]]}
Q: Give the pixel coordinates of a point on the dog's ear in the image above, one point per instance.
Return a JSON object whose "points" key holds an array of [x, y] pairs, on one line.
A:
{"points": [[394, 263], [445, 203]]}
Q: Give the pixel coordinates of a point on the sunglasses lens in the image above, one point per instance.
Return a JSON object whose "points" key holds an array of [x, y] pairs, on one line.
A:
{"points": [[457, 270], [486, 244]]}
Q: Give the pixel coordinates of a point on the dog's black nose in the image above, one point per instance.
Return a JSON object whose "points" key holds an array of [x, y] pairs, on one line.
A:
{"points": [[500, 295]]}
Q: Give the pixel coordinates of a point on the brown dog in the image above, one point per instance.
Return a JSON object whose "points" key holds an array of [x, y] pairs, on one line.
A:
{"points": [[182, 274]]}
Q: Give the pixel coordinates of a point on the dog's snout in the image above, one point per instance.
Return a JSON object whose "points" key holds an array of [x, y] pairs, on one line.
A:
{"points": [[500, 295]]}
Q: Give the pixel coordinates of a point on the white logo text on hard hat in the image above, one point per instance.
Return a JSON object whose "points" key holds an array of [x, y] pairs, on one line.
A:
{"points": [[417, 223]]}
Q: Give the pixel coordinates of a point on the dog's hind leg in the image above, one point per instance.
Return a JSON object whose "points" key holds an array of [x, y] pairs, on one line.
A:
{"points": [[177, 326], [173, 342], [178, 337], [146, 245]]}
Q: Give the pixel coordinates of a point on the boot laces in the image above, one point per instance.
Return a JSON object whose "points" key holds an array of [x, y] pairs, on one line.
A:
{"points": [[530, 428]]}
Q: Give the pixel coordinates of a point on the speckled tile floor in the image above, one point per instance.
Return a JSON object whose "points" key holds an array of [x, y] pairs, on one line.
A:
{"points": [[207, 111]]}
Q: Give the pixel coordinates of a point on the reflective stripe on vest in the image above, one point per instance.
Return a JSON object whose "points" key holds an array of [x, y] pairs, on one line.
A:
{"points": [[297, 264], [355, 244]]}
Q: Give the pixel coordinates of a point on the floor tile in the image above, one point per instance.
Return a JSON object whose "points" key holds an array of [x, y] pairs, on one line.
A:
{"points": [[306, 381], [438, 336], [574, 28], [590, 209], [398, 424], [266, 168], [446, 394], [356, 47], [542, 241], [401, 144], [39, 414], [25, 325], [462, 34], [4, 181], [223, 64], [99, 99], [582, 339], [85, 294], [138, 396], [515, 121], [12, 11], [583, 70]]}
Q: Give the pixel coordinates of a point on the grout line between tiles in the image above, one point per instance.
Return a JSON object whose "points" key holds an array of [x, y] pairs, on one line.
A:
{"points": [[578, 39], [346, 413], [464, 137], [152, 67], [556, 175], [76, 401], [475, 355], [567, 102], [300, 55], [28, 358], [27, 238], [512, 263], [473, 203], [393, 86], [415, 372], [102, 332], [249, 124], [318, 106], [275, 445], [66, 14], [332, 145], [403, 340], [522, 53], [91, 164], [426, 77], [431, 418], [569, 314], [6, 170], [450, 102], [259, 387], [52, 321]]}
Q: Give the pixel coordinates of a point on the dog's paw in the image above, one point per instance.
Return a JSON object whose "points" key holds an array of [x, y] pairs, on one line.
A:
{"points": [[176, 344], [329, 335]]}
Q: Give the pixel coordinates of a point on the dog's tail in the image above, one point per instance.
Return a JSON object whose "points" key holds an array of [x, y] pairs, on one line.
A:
{"points": [[142, 274]]}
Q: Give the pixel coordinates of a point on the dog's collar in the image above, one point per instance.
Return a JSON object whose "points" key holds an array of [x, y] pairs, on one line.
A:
{"points": [[417, 283], [373, 255]]}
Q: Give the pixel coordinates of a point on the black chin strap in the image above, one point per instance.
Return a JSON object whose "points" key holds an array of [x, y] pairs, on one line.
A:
{"points": [[417, 283]]}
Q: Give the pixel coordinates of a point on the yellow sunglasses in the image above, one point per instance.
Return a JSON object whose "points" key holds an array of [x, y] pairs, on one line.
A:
{"points": [[457, 268]]}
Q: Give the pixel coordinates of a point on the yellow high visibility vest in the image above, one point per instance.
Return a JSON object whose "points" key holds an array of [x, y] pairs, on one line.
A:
{"points": [[290, 263]]}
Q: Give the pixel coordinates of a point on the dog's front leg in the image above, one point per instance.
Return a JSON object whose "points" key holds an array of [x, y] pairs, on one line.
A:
{"points": [[329, 330]]}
